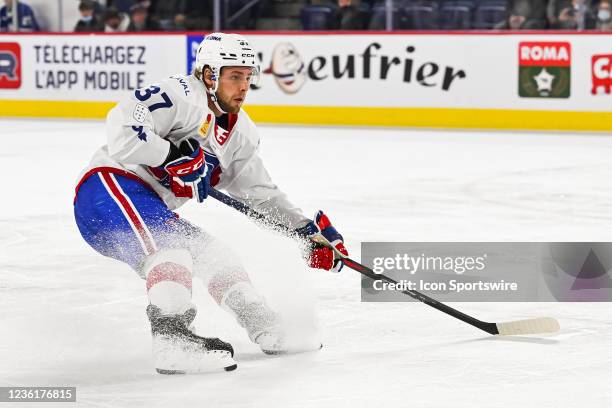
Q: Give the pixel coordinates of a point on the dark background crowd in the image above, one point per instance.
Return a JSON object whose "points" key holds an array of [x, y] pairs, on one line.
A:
{"points": [[273, 15]]}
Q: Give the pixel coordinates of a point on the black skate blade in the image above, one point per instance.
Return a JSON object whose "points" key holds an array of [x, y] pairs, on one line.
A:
{"points": [[285, 352], [169, 372], [275, 352], [179, 372]]}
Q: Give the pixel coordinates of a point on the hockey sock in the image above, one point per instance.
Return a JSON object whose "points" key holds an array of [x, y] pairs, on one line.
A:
{"points": [[168, 274]]}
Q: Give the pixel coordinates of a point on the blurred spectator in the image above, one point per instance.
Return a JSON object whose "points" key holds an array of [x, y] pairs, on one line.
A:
{"points": [[123, 6], [515, 21], [88, 22], [570, 14], [165, 13], [553, 9], [141, 19], [533, 11], [194, 15], [578, 16], [27, 20], [247, 19], [114, 21], [604, 17], [349, 16]]}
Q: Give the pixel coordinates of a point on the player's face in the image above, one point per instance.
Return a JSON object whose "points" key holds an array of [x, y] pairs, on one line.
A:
{"points": [[233, 87]]}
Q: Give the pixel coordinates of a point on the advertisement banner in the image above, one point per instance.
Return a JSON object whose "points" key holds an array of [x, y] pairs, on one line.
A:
{"points": [[534, 81], [85, 67], [553, 72]]}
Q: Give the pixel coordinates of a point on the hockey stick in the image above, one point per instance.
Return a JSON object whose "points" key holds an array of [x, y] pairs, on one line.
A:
{"points": [[517, 327]]}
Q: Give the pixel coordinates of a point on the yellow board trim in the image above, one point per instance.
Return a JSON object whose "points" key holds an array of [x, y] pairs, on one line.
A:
{"points": [[352, 116], [54, 109], [434, 118]]}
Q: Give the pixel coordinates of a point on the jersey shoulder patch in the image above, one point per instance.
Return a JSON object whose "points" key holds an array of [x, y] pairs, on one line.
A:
{"points": [[140, 112], [203, 130]]}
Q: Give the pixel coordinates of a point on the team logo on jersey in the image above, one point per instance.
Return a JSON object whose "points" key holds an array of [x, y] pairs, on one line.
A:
{"points": [[601, 70], [221, 135], [203, 131], [287, 67], [544, 69], [10, 65]]}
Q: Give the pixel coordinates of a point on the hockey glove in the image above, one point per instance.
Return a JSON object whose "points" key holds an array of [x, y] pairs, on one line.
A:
{"points": [[317, 255], [189, 174]]}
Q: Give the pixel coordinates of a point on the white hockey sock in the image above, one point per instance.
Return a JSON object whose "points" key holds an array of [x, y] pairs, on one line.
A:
{"points": [[222, 283], [168, 274], [247, 294], [249, 308]]}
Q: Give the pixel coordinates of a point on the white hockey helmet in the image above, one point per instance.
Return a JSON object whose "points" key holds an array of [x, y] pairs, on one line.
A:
{"points": [[219, 50]]}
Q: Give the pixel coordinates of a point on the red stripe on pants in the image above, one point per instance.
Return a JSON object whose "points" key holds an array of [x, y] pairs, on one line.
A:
{"points": [[131, 212]]}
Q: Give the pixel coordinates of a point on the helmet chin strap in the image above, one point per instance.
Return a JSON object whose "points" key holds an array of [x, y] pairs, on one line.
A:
{"points": [[213, 96]]}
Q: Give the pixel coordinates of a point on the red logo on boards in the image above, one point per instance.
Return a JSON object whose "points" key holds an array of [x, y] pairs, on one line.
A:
{"points": [[545, 69], [10, 65], [601, 69], [545, 54]]}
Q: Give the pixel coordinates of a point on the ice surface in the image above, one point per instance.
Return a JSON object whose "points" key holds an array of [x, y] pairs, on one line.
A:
{"points": [[71, 317]]}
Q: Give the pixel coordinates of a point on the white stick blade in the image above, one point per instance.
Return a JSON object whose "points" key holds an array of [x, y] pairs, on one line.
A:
{"points": [[528, 326]]}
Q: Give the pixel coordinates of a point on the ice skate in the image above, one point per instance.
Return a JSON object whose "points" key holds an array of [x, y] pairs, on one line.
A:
{"points": [[261, 323], [271, 340], [177, 350], [274, 340]]}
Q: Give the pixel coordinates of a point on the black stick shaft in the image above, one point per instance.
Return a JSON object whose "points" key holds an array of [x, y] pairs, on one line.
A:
{"points": [[490, 328]]}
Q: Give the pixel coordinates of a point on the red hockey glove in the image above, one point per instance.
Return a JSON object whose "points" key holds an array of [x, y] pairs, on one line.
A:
{"points": [[317, 255]]}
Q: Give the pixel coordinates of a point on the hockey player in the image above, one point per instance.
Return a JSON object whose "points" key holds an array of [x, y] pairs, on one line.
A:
{"points": [[169, 143]]}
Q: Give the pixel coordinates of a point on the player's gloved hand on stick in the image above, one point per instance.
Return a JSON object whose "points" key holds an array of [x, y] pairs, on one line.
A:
{"points": [[317, 255], [189, 174]]}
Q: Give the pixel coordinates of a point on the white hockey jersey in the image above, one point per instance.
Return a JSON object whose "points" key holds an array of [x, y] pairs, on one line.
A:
{"points": [[140, 127]]}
